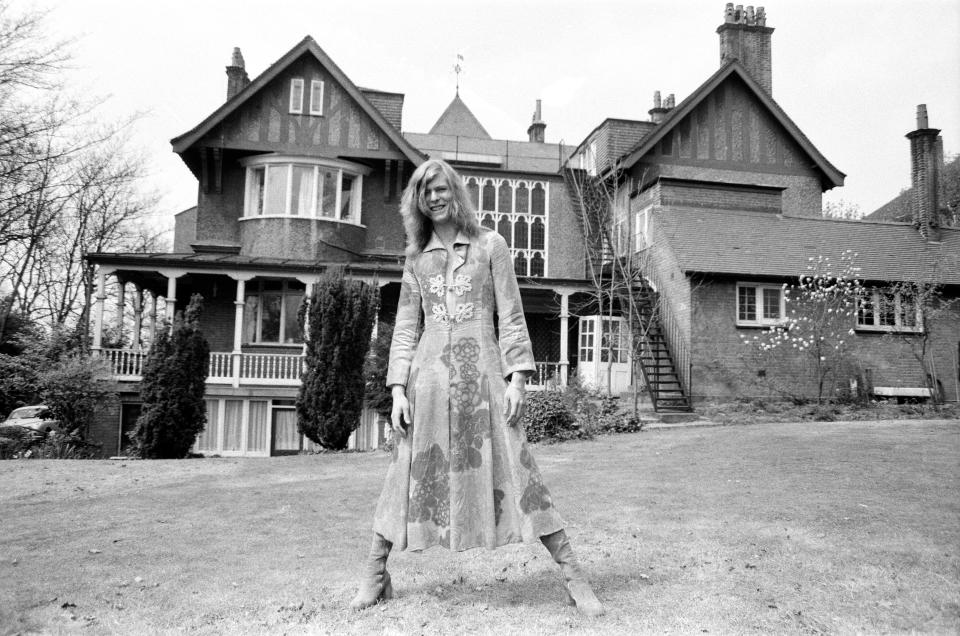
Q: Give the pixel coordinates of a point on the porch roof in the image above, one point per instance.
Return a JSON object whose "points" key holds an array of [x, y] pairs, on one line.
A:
{"points": [[764, 244], [219, 261]]}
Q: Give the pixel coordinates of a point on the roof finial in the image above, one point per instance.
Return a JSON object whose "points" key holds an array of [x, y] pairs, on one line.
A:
{"points": [[458, 69]]}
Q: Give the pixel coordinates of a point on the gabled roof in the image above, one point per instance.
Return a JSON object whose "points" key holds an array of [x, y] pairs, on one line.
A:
{"points": [[307, 45], [831, 176], [458, 120], [764, 244]]}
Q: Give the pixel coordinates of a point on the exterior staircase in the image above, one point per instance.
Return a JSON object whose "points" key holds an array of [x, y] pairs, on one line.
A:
{"points": [[657, 364], [660, 374]]}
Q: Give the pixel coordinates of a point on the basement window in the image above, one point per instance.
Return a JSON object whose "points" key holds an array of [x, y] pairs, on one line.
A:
{"points": [[759, 305], [285, 186]]}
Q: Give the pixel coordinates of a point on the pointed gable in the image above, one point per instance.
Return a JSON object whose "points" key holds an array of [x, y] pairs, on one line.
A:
{"points": [[259, 116], [729, 119], [457, 120]]}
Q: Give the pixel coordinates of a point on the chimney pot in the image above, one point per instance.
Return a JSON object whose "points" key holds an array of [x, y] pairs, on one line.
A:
{"points": [[925, 166], [656, 99], [745, 36], [237, 77], [536, 133]]}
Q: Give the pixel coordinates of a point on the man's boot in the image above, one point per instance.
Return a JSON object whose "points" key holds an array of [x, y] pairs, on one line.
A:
{"points": [[579, 592]]}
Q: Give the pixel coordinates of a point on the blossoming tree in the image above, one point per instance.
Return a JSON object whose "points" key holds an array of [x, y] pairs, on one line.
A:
{"points": [[819, 321]]}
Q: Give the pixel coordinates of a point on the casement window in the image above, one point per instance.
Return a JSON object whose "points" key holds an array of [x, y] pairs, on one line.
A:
{"points": [[759, 305], [588, 159], [641, 229], [296, 96], [613, 342], [316, 97], [270, 312], [886, 310], [518, 210], [293, 186]]}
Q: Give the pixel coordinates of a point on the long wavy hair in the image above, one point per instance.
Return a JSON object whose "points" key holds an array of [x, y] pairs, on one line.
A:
{"points": [[413, 204]]}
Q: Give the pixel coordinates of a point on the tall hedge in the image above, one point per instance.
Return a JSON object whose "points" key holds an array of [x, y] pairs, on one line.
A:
{"points": [[340, 321], [174, 377]]}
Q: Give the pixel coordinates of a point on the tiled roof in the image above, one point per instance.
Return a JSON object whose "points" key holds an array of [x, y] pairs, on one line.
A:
{"points": [[215, 261], [764, 244], [832, 177], [308, 45], [521, 156], [390, 105], [457, 119]]}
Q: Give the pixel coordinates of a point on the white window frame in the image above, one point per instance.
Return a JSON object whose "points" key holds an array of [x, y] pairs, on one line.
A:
{"points": [[256, 288], [528, 251], [316, 108], [296, 87], [760, 321], [875, 294], [281, 166], [641, 229]]}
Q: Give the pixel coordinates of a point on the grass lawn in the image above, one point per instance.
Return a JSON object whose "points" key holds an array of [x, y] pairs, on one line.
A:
{"points": [[819, 527]]}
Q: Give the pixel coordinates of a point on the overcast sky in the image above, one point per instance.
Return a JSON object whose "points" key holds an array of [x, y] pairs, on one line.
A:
{"points": [[849, 73]]}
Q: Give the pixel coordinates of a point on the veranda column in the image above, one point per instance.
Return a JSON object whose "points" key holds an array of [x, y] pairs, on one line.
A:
{"points": [[153, 316], [171, 298], [101, 296], [137, 315], [121, 303], [564, 337], [236, 356], [308, 282]]}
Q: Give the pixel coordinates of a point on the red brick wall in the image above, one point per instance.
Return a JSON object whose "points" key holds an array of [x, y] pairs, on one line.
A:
{"points": [[726, 368]]}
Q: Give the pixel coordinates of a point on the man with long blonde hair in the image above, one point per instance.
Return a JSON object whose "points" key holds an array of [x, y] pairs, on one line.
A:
{"points": [[461, 475]]}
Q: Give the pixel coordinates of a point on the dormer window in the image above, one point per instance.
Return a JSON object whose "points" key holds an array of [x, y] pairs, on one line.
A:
{"points": [[296, 96], [303, 187]]}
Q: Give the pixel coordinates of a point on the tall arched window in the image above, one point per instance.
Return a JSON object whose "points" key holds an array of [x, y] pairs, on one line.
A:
{"points": [[537, 235], [536, 265], [520, 265], [489, 196], [505, 227], [473, 191], [523, 206], [520, 233], [505, 197], [488, 222], [537, 200]]}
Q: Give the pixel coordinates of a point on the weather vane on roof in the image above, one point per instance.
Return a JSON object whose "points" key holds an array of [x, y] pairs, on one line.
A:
{"points": [[458, 69]]}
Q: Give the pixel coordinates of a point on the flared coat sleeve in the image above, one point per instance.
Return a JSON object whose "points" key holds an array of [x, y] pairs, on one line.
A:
{"points": [[406, 328], [516, 352]]}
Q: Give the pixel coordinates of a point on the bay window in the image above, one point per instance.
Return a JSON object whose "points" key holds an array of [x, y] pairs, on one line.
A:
{"points": [[301, 187]]}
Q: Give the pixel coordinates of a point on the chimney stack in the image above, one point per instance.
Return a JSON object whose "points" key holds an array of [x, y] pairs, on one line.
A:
{"points": [[237, 77], [926, 162], [660, 108], [745, 36], [537, 130]]}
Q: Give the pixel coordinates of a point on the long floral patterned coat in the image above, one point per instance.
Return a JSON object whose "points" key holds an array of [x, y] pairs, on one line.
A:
{"points": [[461, 478]]}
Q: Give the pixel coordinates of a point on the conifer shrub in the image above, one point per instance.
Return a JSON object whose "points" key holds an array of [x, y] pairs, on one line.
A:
{"points": [[340, 321], [377, 395], [174, 376]]}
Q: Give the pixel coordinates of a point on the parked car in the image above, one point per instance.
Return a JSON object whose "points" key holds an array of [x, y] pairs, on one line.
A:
{"points": [[37, 417]]}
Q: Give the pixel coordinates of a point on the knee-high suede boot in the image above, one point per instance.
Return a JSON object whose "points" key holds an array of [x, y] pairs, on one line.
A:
{"points": [[579, 592], [375, 585]]}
